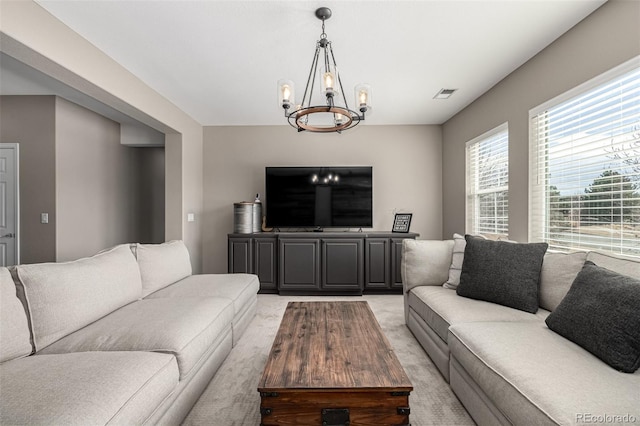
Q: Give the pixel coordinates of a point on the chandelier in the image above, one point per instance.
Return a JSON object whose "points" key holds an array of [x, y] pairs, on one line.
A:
{"points": [[334, 115]]}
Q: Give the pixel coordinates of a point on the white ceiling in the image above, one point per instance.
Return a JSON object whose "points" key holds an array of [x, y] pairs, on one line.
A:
{"points": [[219, 61]]}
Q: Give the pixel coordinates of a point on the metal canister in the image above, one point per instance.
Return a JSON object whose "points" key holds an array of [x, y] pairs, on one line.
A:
{"points": [[243, 217]]}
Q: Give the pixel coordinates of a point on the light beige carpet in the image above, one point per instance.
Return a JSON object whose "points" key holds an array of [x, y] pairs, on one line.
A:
{"points": [[232, 397]]}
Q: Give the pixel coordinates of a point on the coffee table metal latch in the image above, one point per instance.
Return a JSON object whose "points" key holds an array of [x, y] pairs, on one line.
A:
{"points": [[404, 411], [269, 394]]}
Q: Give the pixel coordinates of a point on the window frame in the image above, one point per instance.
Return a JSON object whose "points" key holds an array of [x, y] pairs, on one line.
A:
{"points": [[539, 211], [471, 217]]}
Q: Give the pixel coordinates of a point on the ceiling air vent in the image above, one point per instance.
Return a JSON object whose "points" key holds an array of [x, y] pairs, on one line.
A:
{"points": [[444, 93]]}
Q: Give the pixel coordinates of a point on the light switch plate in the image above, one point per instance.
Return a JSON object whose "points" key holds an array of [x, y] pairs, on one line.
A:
{"points": [[44, 217], [191, 217]]}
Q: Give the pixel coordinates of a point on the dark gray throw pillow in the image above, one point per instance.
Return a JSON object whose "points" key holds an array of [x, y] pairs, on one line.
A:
{"points": [[601, 313], [502, 272]]}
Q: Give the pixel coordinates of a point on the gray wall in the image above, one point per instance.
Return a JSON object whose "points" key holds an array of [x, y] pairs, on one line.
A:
{"points": [[98, 193], [605, 39], [95, 183], [30, 121], [406, 162], [149, 200]]}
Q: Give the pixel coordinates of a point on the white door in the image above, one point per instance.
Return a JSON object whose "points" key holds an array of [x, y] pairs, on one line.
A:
{"points": [[9, 252]]}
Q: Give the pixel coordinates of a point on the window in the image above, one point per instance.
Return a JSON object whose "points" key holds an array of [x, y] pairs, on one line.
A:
{"points": [[488, 183], [585, 167]]}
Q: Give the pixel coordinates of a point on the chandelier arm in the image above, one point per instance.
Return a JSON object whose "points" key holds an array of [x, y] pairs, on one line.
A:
{"points": [[311, 79], [344, 97]]}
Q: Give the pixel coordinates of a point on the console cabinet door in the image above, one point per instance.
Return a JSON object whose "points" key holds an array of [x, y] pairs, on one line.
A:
{"points": [[377, 264], [342, 264], [396, 258], [299, 264], [264, 264], [239, 255]]}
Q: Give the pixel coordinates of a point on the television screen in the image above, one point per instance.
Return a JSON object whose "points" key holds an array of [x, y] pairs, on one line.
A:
{"points": [[337, 197]]}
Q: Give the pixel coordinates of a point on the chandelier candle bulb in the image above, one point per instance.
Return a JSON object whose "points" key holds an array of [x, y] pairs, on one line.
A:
{"points": [[286, 95], [363, 97], [328, 82]]}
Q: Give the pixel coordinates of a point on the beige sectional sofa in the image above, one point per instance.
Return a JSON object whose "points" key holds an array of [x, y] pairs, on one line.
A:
{"points": [[128, 336], [505, 365]]}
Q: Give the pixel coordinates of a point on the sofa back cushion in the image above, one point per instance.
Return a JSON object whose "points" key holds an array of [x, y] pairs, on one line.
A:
{"points": [[64, 297], [162, 264], [425, 262], [622, 265], [557, 274], [15, 339]]}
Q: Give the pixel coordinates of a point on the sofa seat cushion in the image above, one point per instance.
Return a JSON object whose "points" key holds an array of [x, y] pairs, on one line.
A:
{"points": [[186, 328], [64, 297], [441, 307], [15, 339], [535, 376], [240, 288], [90, 388]]}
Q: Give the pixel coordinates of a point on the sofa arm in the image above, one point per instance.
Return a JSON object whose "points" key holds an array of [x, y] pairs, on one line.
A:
{"points": [[425, 262]]}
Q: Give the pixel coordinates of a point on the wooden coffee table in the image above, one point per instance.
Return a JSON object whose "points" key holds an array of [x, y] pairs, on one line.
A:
{"points": [[330, 364]]}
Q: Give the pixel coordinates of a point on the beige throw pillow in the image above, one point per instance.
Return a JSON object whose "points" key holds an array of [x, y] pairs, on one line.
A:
{"points": [[459, 244], [455, 268]]}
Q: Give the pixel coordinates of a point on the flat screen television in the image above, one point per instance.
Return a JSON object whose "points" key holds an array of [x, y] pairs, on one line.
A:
{"points": [[319, 197]]}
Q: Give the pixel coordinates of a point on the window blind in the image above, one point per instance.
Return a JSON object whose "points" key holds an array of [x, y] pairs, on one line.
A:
{"points": [[585, 169], [487, 163]]}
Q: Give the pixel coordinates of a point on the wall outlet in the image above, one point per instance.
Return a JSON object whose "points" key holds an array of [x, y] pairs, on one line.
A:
{"points": [[44, 217], [191, 217]]}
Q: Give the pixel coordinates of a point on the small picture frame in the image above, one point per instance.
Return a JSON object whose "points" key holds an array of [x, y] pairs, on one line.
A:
{"points": [[402, 222]]}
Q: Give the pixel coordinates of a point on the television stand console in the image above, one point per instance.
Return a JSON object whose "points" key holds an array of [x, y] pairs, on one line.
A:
{"points": [[327, 263]]}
